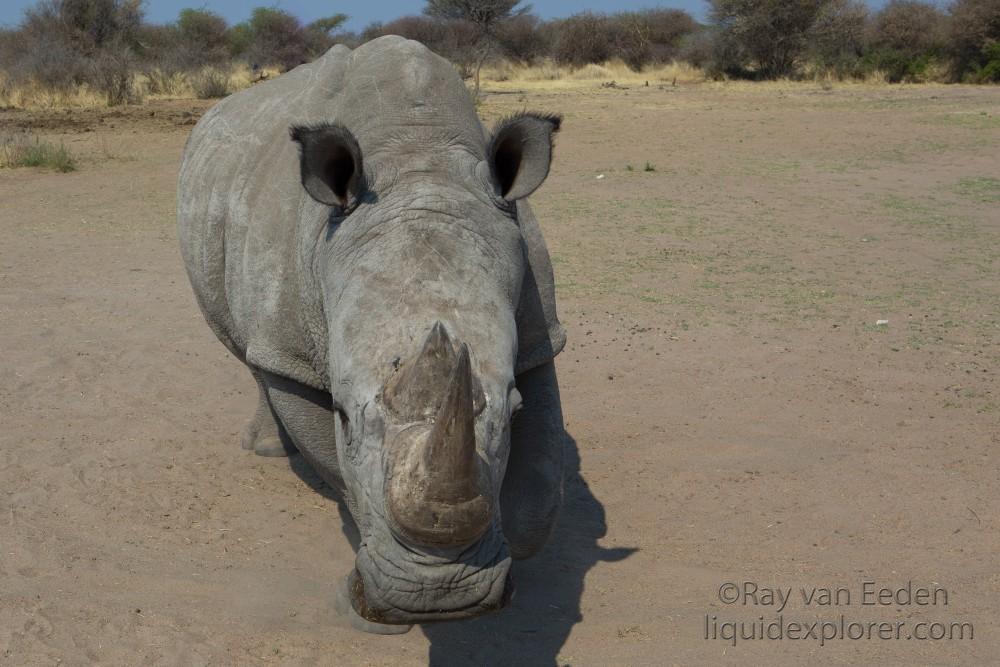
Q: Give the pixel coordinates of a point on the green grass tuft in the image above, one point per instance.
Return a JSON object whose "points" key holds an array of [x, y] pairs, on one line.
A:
{"points": [[22, 151]]}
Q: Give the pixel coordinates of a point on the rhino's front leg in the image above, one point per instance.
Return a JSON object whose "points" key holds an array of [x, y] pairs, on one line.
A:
{"points": [[533, 485], [264, 433]]}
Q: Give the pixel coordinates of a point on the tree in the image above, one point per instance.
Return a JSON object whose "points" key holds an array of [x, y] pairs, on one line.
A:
{"points": [[454, 39], [771, 34], [522, 38], [201, 38], [485, 15], [582, 39], [329, 24], [904, 39], [975, 39], [86, 26], [910, 26], [838, 37], [275, 37]]}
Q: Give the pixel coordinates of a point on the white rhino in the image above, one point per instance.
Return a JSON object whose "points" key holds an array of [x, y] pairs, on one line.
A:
{"points": [[358, 239]]}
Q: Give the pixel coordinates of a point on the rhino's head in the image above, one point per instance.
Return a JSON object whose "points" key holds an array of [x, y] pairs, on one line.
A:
{"points": [[420, 272]]}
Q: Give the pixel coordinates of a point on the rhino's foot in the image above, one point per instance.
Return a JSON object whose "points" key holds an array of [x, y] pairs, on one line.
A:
{"points": [[266, 437], [342, 603], [272, 447]]}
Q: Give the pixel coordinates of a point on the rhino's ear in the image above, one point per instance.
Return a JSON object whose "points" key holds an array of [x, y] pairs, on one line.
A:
{"points": [[521, 152], [330, 162]]}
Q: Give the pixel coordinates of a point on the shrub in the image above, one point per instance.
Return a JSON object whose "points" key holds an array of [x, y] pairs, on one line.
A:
{"points": [[896, 65], [990, 71], [630, 39], [521, 39], [838, 38], [904, 40], [771, 35], [453, 39], [697, 48], [65, 43], [973, 37], [201, 39], [87, 25], [114, 75], [211, 83], [666, 30], [909, 27], [164, 81], [582, 39], [275, 37]]}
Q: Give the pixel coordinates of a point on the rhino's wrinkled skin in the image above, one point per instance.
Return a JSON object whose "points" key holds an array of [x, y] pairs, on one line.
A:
{"points": [[356, 237]]}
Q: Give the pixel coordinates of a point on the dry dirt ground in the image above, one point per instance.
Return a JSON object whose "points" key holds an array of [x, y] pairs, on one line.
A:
{"points": [[739, 416]]}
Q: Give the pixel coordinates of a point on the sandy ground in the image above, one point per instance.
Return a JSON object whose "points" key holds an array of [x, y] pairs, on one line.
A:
{"points": [[739, 417]]}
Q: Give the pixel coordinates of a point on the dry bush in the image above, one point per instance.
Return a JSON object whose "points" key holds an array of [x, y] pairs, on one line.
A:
{"points": [[649, 36], [273, 37], [637, 38], [64, 45], [211, 83], [115, 76], [582, 39], [838, 40], [455, 40], [522, 39], [697, 48], [165, 82], [202, 36], [631, 41], [909, 26]]}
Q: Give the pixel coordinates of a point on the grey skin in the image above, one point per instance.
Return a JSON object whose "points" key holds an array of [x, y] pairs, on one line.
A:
{"points": [[359, 240]]}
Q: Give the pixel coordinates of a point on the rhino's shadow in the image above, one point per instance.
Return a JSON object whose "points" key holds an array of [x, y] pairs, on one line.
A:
{"points": [[546, 606], [533, 629]]}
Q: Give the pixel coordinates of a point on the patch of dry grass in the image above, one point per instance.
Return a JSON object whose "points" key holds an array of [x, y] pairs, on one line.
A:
{"points": [[33, 96], [155, 83], [548, 74]]}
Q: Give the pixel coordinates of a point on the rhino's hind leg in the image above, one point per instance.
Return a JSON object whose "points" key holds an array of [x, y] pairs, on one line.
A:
{"points": [[533, 484], [264, 433]]}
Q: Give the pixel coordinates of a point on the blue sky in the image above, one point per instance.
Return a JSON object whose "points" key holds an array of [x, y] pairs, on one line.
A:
{"points": [[363, 13]]}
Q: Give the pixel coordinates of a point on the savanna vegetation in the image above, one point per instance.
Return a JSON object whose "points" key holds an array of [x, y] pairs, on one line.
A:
{"points": [[67, 50]]}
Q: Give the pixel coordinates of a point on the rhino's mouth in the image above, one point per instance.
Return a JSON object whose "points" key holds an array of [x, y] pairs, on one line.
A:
{"points": [[395, 585]]}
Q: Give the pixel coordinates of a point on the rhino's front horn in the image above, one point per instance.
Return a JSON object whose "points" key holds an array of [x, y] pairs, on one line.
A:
{"points": [[414, 393], [437, 492]]}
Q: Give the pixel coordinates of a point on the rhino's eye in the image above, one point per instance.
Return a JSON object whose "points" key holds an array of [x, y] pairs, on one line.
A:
{"points": [[345, 435], [343, 424]]}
